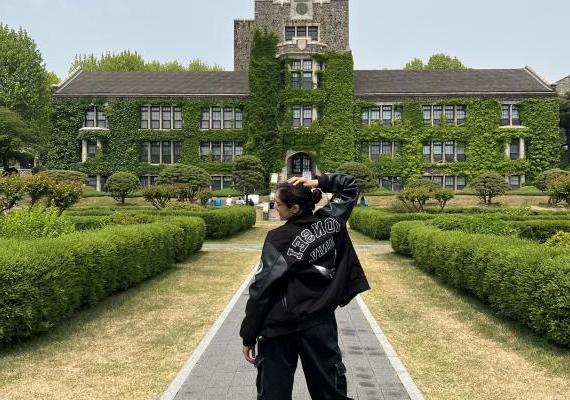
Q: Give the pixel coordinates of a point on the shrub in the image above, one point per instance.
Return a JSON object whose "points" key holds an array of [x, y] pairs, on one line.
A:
{"points": [[11, 192], [443, 196], [248, 175], [118, 218], [65, 194], [414, 199], [121, 184], [159, 195], [188, 179], [44, 281], [559, 190], [37, 186], [544, 179], [37, 222], [426, 184], [185, 206], [60, 175], [482, 224], [488, 186], [365, 179], [521, 280], [560, 239], [203, 197], [540, 230], [377, 223]]}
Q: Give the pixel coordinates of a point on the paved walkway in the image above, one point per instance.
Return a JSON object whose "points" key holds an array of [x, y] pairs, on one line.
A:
{"points": [[217, 369]]}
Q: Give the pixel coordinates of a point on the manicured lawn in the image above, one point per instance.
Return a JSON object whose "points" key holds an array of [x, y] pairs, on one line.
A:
{"points": [[469, 200], [453, 345], [131, 345]]}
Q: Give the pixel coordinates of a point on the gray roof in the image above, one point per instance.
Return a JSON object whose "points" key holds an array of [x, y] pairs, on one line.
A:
{"points": [[463, 82], [148, 84], [389, 83]]}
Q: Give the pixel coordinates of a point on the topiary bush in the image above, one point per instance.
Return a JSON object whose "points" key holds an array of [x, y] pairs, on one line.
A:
{"points": [[442, 196], [545, 178], [12, 190], [118, 218], [188, 178], [159, 196], [377, 223], [248, 175], [365, 179], [482, 224], [559, 190], [35, 223], [37, 186], [489, 186], [64, 194], [61, 175], [121, 184]]}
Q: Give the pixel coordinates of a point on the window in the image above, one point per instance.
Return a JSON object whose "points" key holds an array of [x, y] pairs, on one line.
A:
{"points": [[302, 74], [166, 117], [155, 117], [450, 182], [148, 180], [302, 116], [461, 182], [216, 118], [387, 115], [92, 181], [437, 179], [510, 115], [221, 118], [386, 182], [515, 181], [216, 183], [296, 80], [437, 114], [514, 149], [95, 117], [301, 31], [449, 115], [365, 117], [177, 117], [460, 114], [308, 80], [145, 149], [228, 118], [449, 151], [396, 148], [91, 148], [205, 123], [222, 182], [144, 117], [220, 151], [392, 183], [374, 114], [227, 182], [398, 184], [289, 33], [427, 114], [437, 151], [314, 33], [397, 113], [155, 152], [386, 148], [374, 151], [165, 152]]}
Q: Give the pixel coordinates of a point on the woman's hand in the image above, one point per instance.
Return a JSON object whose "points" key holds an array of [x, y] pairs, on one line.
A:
{"points": [[249, 354], [310, 183]]}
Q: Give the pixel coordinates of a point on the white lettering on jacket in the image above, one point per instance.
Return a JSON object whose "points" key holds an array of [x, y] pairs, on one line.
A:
{"points": [[307, 236]]}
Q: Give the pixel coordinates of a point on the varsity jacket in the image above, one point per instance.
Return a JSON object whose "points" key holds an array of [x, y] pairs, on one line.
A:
{"points": [[308, 268]]}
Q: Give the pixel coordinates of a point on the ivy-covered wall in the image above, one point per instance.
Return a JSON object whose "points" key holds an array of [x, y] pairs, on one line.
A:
{"points": [[332, 139]]}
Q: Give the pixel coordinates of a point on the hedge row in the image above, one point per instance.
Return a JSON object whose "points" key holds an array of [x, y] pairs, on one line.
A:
{"points": [[521, 280], [377, 223], [44, 281], [220, 223]]}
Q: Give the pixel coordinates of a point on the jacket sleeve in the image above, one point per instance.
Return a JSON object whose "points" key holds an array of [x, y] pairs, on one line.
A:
{"points": [[271, 268], [345, 195]]}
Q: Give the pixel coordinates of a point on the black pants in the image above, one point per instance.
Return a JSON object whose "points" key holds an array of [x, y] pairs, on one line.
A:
{"points": [[320, 356]]}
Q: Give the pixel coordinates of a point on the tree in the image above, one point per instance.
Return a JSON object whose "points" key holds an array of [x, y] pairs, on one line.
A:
{"points": [[24, 81], [37, 186], [438, 61], [64, 195], [121, 184], [443, 196], [364, 177], [488, 186], [248, 175], [11, 192], [127, 60], [559, 190], [15, 137], [263, 107], [188, 179], [543, 181]]}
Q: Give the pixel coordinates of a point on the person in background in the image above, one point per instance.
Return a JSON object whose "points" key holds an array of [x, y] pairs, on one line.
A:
{"points": [[240, 202], [363, 202], [229, 201], [217, 201]]}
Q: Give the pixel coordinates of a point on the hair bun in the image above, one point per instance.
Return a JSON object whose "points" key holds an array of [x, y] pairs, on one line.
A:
{"points": [[317, 195]]}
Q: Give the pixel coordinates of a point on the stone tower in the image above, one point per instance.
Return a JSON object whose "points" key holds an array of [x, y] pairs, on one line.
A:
{"points": [[304, 27]]}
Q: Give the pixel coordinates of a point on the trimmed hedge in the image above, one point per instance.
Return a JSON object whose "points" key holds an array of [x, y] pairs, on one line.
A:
{"points": [[520, 279], [220, 222], [44, 281], [541, 230], [377, 223]]}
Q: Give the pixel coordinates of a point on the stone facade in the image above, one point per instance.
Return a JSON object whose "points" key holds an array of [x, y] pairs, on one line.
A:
{"points": [[330, 16], [563, 86]]}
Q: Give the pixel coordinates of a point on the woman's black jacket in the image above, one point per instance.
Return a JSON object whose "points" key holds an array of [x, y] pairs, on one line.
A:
{"points": [[308, 268]]}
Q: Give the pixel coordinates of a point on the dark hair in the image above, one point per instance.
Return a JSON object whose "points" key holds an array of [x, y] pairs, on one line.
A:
{"points": [[299, 194]]}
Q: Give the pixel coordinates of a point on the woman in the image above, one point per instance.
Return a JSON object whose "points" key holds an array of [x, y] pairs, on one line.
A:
{"points": [[308, 268]]}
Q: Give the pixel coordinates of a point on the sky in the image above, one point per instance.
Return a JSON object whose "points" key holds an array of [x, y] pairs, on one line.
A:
{"points": [[383, 34]]}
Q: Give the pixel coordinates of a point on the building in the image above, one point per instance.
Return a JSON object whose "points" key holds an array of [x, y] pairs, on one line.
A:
{"points": [[445, 125], [563, 86]]}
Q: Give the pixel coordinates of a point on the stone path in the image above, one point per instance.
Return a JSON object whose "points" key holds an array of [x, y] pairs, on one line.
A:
{"points": [[217, 369]]}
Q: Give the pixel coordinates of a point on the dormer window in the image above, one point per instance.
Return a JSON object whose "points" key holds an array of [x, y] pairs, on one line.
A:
{"points": [[95, 117]]}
